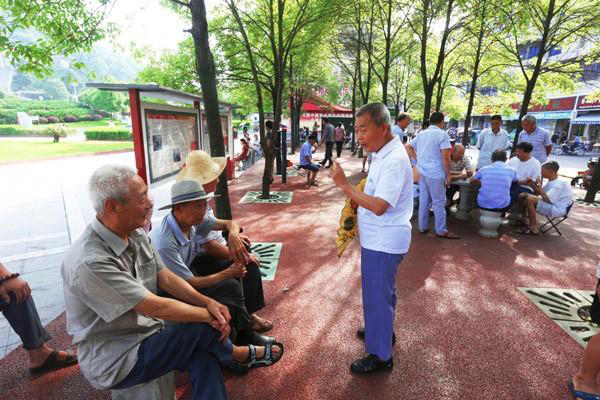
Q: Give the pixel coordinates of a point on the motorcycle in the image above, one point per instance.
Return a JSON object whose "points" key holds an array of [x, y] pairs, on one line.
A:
{"points": [[568, 150]]}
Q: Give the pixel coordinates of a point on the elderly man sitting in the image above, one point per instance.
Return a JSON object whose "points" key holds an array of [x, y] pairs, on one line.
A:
{"points": [[551, 201], [111, 275], [527, 167], [215, 253], [179, 239], [17, 305], [495, 180], [460, 168]]}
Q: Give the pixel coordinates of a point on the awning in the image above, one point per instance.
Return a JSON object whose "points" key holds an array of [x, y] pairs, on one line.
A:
{"points": [[587, 119]]}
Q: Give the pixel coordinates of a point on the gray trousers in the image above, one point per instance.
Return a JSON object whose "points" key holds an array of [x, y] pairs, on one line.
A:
{"points": [[432, 193], [25, 321]]}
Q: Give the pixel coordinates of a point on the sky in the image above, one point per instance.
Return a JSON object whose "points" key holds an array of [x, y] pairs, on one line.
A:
{"points": [[148, 24]]}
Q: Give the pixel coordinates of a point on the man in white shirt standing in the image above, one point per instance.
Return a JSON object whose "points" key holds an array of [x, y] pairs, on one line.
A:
{"points": [[553, 201], [430, 149], [527, 168], [490, 140], [384, 212], [402, 121]]}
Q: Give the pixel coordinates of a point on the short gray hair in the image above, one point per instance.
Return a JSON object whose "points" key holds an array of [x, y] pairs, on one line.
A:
{"points": [[528, 118], [379, 113], [109, 182]]}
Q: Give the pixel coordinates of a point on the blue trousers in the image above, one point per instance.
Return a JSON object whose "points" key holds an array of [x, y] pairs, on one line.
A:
{"points": [[432, 193], [378, 272], [194, 348], [25, 321]]}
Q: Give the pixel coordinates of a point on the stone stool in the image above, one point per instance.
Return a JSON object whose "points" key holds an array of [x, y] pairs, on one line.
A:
{"points": [[490, 222], [162, 388]]}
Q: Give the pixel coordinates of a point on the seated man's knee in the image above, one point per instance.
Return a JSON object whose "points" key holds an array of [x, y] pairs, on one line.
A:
{"points": [[531, 199]]}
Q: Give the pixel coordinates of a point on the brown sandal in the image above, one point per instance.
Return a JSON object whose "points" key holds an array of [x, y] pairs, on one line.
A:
{"points": [[53, 362], [260, 324]]}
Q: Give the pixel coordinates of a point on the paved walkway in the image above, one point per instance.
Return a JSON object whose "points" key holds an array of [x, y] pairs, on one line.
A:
{"points": [[464, 330]]}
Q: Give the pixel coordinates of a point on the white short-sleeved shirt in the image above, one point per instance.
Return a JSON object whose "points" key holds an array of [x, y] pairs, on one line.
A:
{"points": [[560, 194], [487, 143], [525, 169], [390, 178], [428, 146]]}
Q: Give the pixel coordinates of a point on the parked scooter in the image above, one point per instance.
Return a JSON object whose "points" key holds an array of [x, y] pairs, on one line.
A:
{"points": [[569, 150]]}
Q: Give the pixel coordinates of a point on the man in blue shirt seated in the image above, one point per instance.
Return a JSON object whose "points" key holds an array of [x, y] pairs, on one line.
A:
{"points": [[495, 181], [178, 240], [306, 160]]}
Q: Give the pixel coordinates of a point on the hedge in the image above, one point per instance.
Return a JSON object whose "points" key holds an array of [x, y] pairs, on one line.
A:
{"points": [[105, 134], [9, 107], [19, 131]]}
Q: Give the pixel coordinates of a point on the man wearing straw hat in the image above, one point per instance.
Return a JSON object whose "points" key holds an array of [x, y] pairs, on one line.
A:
{"points": [[189, 246]]}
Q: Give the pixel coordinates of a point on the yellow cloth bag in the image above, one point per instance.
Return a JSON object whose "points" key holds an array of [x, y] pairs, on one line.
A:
{"points": [[348, 223]]}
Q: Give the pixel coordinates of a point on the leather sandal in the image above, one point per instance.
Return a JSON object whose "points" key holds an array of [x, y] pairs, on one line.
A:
{"points": [[53, 362]]}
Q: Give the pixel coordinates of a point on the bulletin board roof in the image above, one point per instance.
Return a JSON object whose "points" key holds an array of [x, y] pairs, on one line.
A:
{"points": [[157, 91]]}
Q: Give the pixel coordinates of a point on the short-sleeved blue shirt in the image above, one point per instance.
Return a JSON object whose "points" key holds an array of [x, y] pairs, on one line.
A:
{"points": [[496, 180]]}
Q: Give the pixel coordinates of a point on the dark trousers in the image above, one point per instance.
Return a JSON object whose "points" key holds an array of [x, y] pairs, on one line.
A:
{"points": [[25, 321], [194, 348], [242, 300], [595, 309], [516, 190], [328, 153], [451, 191], [339, 145]]}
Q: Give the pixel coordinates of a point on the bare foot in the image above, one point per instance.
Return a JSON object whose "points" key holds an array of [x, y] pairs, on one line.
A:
{"points": [[585, 386]]}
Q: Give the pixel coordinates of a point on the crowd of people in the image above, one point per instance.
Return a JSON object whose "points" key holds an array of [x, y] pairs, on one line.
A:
{"points": [[187, 295]]}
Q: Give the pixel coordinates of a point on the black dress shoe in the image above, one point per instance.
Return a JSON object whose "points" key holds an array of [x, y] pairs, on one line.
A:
{"points": [[360, 333], [371, 363], [262, 340]]}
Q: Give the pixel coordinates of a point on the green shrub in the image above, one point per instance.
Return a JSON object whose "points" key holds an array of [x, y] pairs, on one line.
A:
{"points": [[58, 131], [9, 107], [20, 131], [43, 120], [52, 119], [108, 134]]}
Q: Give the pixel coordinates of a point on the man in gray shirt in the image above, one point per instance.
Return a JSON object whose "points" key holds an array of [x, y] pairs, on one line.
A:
{"points": [[111, 276], [328, 138]]}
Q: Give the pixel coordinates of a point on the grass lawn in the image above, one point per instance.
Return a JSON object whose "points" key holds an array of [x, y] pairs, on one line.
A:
{"points": [[20, 150], [103, 123]]}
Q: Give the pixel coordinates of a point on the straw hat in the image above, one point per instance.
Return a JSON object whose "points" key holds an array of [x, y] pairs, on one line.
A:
{"points": [[201, 167], [184, 191]]}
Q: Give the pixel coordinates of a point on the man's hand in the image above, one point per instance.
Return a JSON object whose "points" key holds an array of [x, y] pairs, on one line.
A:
{"points": [[221, 316], [338, 175], [254, 259], [17, 286], [236, 270], [237, 249]]}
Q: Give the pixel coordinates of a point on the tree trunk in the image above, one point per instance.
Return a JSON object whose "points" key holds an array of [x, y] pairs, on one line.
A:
{"points": [[590, 196], [205, 68], [474, 78], [536, 71], [259, 98], [354, 82]]}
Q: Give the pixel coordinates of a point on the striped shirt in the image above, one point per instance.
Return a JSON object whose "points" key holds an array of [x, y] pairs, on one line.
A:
{"points": [[539, 139], [496, 180], [458, 166]]}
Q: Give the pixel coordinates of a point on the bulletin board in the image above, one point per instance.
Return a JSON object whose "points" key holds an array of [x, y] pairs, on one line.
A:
{"points": [[170, 133]]}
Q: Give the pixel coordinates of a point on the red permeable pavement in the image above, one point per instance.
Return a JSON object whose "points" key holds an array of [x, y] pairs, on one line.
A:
{"points": [[464, 329]]}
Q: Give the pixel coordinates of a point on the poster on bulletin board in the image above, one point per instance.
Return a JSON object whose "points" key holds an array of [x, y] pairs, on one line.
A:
{"points": [[169, 137]]}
